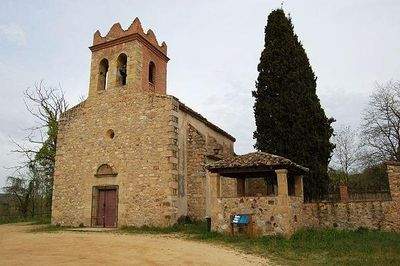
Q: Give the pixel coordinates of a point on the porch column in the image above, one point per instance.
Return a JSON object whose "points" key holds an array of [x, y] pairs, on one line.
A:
{"points": [[211, 192], [283, 207], [281, 176], [214, 189], [298, 186]]}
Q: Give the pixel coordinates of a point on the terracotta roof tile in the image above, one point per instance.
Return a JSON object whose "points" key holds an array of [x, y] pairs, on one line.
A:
{"points": [[255, 159]]}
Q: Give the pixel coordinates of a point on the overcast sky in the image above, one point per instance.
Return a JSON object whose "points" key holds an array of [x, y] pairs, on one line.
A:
{"points": [[214, 48]]}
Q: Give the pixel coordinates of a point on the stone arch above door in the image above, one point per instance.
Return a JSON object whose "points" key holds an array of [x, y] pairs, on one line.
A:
{"points": [[105, 170]]}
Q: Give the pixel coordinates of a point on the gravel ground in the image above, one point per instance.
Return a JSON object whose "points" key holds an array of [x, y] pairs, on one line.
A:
{"points": [[21, 247]]}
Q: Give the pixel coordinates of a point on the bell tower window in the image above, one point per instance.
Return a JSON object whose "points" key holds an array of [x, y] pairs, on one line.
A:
{"points": [[103, 74], [122, 69], [152, 72], [130, 60]]}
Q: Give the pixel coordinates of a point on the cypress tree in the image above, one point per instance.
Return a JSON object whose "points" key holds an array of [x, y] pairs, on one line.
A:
{"points": [[290, 121]]}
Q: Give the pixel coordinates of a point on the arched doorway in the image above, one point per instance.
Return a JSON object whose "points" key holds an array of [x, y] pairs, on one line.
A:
{"points": [[105, 200]]}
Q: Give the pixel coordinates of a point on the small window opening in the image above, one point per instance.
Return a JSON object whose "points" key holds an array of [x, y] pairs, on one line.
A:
{"points": [[122, 69], [218, 186], [272, 185], [241, 187], [110, 133], [103, 74], [291, 185], [152, 72]]}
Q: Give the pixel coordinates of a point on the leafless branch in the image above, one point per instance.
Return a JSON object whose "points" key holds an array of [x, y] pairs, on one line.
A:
{"points": [[381, 124], [347, 150]]}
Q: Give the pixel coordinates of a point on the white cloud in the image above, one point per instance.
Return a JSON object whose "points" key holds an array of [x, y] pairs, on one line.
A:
{"points": [[13, 33]]}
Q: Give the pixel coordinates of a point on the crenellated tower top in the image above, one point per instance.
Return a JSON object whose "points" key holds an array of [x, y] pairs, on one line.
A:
{"points": [[135, 31], [129, 59]]}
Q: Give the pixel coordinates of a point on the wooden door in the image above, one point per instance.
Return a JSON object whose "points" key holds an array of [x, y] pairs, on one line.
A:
{"points": [[100, 208], [110, 211], [107, 208]]}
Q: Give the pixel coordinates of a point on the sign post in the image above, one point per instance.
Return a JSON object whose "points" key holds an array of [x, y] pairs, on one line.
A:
{"points": [[240, 223]]}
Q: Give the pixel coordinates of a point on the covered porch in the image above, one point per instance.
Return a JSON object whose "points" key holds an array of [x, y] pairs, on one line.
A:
{"points": [[269, 190]]}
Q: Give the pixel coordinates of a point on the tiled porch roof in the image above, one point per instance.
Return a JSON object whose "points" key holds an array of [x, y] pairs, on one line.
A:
{"points": [[254, 160]]}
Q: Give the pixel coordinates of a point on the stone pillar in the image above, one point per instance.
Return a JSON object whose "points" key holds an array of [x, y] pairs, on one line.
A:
{"points": [[392, 214], [344, 193], [281, 175], [298, 186], [393, 173], [213, 202], [208, 194], [211, 191], [283, 203]]}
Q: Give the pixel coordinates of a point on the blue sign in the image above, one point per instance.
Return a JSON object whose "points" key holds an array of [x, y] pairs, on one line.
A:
{"points": [[241, 219]]}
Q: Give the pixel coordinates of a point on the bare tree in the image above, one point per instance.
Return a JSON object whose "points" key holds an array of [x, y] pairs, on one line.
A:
{"points": [[46, 105], [381, 124], [347, 151]]}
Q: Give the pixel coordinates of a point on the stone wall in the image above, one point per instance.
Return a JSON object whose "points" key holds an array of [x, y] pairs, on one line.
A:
{"points": [[286, 214], [374, 214], [196, 175], [346, 215], [198, 147], [199, 143], [155, 146], [158, 155], [228, 187], [270, 215], [141, 152]]}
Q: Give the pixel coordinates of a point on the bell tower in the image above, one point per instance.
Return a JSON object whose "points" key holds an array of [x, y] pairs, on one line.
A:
{"points": [[128, 60]]}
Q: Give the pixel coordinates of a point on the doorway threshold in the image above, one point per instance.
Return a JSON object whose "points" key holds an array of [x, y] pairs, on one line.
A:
{"points": [[93, 229]]}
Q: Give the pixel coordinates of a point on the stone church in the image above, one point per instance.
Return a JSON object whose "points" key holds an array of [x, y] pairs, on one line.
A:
{"points": [[131, 154]]}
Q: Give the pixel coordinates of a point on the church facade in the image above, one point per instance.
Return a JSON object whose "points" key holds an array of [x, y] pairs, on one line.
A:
{"points": [[130, 154]]}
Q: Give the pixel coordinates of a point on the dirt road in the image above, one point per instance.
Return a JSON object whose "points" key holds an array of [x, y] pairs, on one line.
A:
{"points": [[20, 247]]}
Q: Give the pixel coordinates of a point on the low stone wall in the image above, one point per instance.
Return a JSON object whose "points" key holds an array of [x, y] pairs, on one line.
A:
{"points": [[373, 214], [286, 214], [351, 215], [270, 215]]}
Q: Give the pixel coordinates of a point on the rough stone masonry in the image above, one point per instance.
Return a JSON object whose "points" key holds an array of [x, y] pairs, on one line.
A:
{"points": [[132, 155], [131, 138]]}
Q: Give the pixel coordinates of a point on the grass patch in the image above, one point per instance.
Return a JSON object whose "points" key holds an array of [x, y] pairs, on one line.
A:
{"points": [[44, 219], [49, 228], [185, 228], [43, 222], [7, 220], [306, 247]]}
